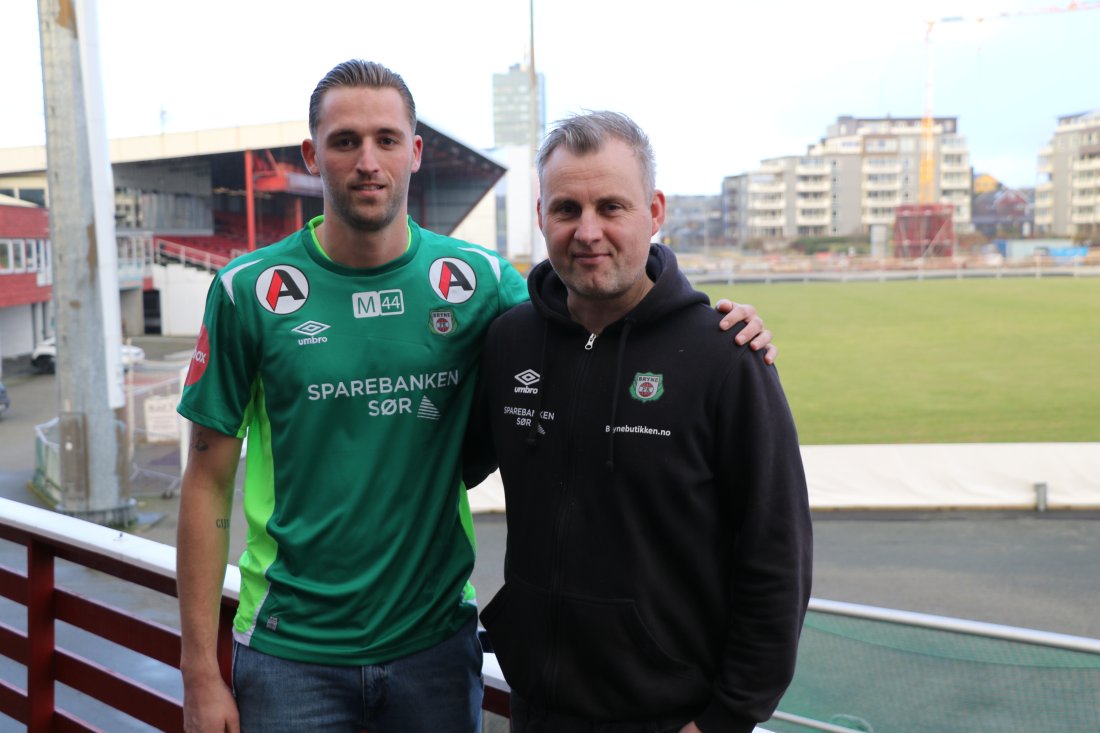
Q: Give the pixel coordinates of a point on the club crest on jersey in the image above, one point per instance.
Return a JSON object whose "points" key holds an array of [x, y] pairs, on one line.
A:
{"points": [[452, 279], [647, 387], [442, 322], [282, 289]]}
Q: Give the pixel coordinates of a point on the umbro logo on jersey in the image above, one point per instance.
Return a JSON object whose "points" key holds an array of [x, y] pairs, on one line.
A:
{"points": [[282, 289], [452, 279], [528, 378], [310, 330]]}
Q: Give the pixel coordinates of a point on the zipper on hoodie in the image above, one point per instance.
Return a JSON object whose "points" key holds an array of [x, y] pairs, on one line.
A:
{"points": [[561, 522]]}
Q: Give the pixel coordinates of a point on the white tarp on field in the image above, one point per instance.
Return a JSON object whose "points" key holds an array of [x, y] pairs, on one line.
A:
{"points": [[955, 476]]}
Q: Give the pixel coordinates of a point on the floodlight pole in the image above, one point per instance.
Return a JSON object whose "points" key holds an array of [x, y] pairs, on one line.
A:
{"points": [[533, 134], [93, 468]]}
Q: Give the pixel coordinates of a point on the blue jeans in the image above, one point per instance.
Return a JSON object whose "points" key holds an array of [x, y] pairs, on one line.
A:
{"points": [[437, 690]]}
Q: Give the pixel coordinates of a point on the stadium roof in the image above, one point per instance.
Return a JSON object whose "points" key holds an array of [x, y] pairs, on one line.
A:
{"points": [[452, 178]]}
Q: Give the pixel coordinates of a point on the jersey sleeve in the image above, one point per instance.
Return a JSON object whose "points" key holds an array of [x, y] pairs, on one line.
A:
{"points": [[220, 381], [513, 286]]}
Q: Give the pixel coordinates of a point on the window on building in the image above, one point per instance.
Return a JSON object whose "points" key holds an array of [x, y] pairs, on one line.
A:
{"points": [[33, 195], [18, 255]]}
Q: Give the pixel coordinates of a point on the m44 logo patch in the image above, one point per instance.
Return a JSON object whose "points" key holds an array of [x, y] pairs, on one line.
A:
{"points": [[647, 386], [378, 303]]}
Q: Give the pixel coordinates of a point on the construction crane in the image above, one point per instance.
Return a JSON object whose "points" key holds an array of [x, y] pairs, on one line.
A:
{"points": [[927, 227]]}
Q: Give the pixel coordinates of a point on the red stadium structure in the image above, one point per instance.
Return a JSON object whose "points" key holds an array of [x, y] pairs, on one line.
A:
{"points": [[924, 230]]}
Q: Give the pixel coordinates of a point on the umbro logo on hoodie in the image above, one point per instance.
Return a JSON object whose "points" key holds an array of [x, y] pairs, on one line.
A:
{"points": [[528, 378]]}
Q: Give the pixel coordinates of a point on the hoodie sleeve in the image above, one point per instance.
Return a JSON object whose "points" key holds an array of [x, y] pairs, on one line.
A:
{"points": [[761, 464]]}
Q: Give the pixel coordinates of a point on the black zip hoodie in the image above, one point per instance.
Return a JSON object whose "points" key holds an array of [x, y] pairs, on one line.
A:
{"points": [[659, 540]]}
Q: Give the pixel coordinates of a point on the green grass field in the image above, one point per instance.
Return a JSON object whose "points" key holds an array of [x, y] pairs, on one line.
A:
{"points": [[940, 361]]}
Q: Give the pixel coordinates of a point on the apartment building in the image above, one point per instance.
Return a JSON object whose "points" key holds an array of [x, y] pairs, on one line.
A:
{"points": [[1067, 195], [735, 210], [850, 181], [692, 223]]}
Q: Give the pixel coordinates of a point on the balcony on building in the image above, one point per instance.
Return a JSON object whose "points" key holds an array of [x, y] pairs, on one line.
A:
{"points": [[812, 184], [774, 167], [812, 218], [878, 216], [952, 142], [1090, 163], [879, 182], [1084, 181], [888, 166], [811, 167], [767, 187], [763, 221], [1085, 215]]}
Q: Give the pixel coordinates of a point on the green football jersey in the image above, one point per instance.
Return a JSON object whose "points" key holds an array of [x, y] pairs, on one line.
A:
{"points": [[353, 387]]}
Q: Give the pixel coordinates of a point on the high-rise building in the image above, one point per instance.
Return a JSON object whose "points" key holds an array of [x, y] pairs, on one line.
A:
{"points": [[512, 107], [1067, 195]]}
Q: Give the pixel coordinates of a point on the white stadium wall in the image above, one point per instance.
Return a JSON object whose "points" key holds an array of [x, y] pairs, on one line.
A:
{"points": [[956, 476]]}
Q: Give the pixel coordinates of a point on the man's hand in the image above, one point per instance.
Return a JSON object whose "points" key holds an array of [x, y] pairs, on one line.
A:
{"points": [[209, 707], [753, 333], [692, 727]]}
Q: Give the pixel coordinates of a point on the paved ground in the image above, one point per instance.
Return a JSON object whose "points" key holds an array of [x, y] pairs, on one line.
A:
{"points": [[1016, 568]]}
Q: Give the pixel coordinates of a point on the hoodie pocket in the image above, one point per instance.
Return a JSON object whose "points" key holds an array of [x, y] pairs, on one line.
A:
{"points": [[602, 661], [613, 666]]}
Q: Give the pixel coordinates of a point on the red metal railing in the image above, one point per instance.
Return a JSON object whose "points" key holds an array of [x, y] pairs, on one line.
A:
{"points": [[48, 536]]}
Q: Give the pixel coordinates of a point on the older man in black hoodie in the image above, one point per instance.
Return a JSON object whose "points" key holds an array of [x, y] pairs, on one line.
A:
{"points": [[659, 540]]}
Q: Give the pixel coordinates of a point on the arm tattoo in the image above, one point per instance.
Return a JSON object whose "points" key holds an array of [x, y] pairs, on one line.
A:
{"points": [[198, 441], [222, 522]]}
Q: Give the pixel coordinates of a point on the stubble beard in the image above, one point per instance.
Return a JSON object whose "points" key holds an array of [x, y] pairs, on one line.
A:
{"points": [[344, 207]]}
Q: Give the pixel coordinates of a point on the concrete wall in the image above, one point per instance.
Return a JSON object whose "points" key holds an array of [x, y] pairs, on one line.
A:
{"points": [[182, 298]]}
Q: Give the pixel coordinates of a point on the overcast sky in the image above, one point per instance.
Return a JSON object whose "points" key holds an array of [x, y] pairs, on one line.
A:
{"points": [[717, 85]]}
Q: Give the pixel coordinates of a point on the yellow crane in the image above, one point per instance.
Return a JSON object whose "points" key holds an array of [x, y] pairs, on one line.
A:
{"points": [[927, 227], [927, 191]]}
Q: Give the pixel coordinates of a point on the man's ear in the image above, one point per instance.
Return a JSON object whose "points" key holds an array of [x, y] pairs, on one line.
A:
{"points": [[418, 151], [309, 155], [538, 211], [657, 211]]}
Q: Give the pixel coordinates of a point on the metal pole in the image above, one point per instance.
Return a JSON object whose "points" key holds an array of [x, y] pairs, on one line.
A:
{"points": [[249, 200], [82, 229], [535, 138]]}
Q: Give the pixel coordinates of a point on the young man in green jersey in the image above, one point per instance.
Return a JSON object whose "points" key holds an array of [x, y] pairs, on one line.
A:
{"points": [[347, 353]]}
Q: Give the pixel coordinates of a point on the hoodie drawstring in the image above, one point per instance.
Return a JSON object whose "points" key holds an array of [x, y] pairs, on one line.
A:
{"points": [[533, 431], [610, 464]]}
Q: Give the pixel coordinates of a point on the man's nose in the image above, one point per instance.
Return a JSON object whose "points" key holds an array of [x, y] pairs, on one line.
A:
{"points": [[589, 227], [368, 158]]}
